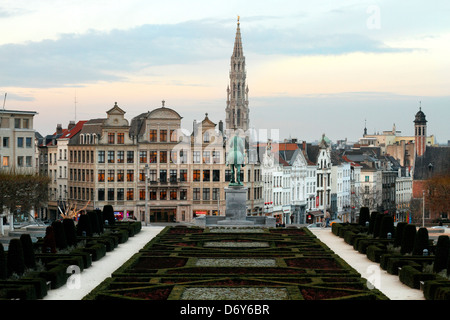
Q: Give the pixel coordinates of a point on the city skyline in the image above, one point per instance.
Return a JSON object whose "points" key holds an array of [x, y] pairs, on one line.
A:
{"points": [[312, 68]]}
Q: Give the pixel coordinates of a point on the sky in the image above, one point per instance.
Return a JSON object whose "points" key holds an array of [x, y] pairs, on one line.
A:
{"points": [[313, 67]]}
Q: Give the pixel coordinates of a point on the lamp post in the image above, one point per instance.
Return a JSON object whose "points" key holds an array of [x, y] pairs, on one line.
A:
{"points": [[423, 209]]}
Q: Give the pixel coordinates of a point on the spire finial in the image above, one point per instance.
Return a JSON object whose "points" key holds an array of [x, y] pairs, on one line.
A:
{"points": [[163, 103], [239, 19]]}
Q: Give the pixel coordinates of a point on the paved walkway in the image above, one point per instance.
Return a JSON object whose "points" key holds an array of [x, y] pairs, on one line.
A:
{"points": [[387, 283]]}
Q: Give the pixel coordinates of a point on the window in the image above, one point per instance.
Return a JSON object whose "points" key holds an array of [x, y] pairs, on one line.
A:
{"points": [[153, 156], [110, 175], [183, 156], [183, 175], [20, 142], [28, 143], [130, 175], [5, 161], [163, 157], [120, 176], [216, 175], [173, 194], [101, 194], [367, 179], [110, 194], [173, 135], [130, 194], [196, 175], [163, 195], [111, 138], [101, 157], [5, 142], [163, 135], [216, 194], [173, 175], [110, 156], [183, 194], [153, 135], [101, 175], [173, 156], [143, 156], [120, 156], [17, 123], [196, 194], [216, 156], [366, 189], [20, 161], [206, 157], [206, 175], [227, 175], [196, 155], [120, 138], [152, 175], [163, 175], [152, 195], [120, 194], [130, 156], [206, 192], [28, 161], [141, 194]]}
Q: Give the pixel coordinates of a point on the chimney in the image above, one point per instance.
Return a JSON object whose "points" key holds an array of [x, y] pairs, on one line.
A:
{"points": [[71, 125], [58, 128]]}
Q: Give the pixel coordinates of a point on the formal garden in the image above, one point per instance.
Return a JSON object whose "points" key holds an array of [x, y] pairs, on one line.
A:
{"points": [[402, 249], [235, 263], [29, 268]]}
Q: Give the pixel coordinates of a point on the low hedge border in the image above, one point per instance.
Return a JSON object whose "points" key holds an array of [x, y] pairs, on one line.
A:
{"points": [[412, 277]]}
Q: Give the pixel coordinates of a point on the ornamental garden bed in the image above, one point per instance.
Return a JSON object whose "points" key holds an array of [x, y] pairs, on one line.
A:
{"points": [[192, 263]]}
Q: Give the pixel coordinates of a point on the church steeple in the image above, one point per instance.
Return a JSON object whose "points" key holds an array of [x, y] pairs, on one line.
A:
{"points": [[237, 113]]}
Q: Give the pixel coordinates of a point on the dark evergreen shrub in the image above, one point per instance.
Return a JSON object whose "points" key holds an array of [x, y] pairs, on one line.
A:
{"points": [[409, 234], [377, 225], [364, 216], [15, 260], [3, 267], [387, 226], [84, 225], [93, 218], [60, 235], [421, 242], [399, 233], [70, 231], [28, 251], [373, 217], [108, 214], [49, 244], [441, 253], [101, 221]]}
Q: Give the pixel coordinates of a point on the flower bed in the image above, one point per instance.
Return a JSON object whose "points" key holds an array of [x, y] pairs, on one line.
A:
{"points": [[235, 263]]}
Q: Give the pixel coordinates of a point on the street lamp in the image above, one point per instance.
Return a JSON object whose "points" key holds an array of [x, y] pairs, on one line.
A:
{"points": [[146, 194], [423, 209]]}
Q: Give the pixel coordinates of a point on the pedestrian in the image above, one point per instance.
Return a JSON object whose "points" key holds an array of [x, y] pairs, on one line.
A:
{"points": [[327, 218]]}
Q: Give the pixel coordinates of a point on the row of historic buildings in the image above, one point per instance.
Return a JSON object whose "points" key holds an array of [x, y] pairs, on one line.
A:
{"points": [[152, 169]]}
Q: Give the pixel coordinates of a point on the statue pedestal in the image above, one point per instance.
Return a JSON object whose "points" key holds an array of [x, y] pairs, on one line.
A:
{"points": [[236, 207]]}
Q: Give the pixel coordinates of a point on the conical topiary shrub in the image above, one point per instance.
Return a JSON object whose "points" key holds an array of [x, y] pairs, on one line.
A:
{"points": [[108, 214], [373, 217], [399, 233], [409, 234], [49, 244], [15, 260], [3, 267], [101, 221], [421, 242], [28, 251], [84, 226], [386, 226], [70, 231], [93, 218], [364, 216], [60, 235], [442, 252], [377, 226]]}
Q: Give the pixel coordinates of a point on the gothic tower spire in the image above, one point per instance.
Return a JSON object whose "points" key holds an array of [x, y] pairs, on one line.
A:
{"points": [[237, 113]]}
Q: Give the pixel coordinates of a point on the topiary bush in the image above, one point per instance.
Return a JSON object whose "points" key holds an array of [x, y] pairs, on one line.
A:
{"points": [[377, 225], [409, 234], [101, 221], [28, 251], [108, 214], [84, 225], [373, 217], [399, 233], [421, 241], [93, 218], [15, 261], [3, 267], [386, 226], [49, 244], [70, 231], [60, 235], [364, 216], [442, 252]]}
